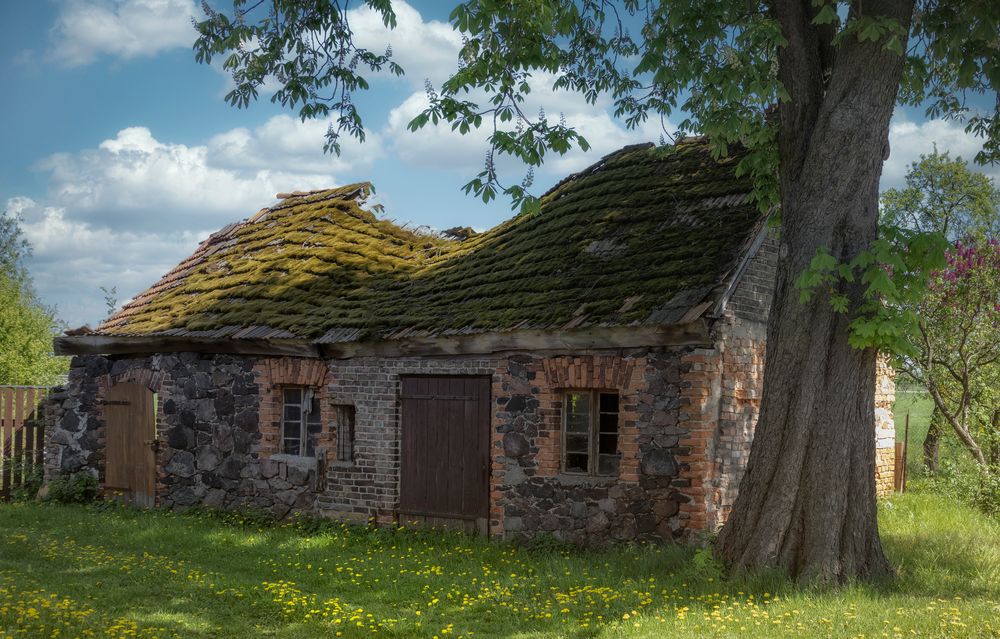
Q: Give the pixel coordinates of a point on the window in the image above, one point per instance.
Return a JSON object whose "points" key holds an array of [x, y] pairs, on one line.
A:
{"points": [[300, 421], [345, 432], [590, 433]]}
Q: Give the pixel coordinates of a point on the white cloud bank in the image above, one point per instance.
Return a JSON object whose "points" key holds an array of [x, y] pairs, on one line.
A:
{"points": [[126, 211], [909, 140], [88, 29], [135, 181]]}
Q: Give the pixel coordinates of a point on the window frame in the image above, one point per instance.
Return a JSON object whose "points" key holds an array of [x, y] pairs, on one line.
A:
{"points": [[345, 432], [593, 432], [304, 420]]}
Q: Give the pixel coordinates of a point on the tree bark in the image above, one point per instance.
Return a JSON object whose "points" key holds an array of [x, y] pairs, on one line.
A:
{"points": [[806, 504], [932, 444]]}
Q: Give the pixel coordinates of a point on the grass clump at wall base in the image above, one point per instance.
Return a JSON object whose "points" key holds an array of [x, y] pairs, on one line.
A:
{"points": [[115, 571], [72, 488]]}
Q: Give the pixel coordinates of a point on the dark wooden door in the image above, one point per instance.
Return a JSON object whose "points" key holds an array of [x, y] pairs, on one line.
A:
{"points": [[130, 441], [445, 450]]}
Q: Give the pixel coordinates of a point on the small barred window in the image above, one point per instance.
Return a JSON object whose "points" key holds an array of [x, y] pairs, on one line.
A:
{"points": [[345, 432]]}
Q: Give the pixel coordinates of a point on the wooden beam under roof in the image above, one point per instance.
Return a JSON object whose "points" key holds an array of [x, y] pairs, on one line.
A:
{"points": [[695, 333]]}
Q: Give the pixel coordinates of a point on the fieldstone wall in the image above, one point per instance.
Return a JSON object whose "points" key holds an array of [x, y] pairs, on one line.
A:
{"points": [[533, 496], [208, 433]]}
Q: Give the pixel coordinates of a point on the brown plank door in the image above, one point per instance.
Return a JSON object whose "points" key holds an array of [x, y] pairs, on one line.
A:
{"points": [[445, 451], [130, 443]]}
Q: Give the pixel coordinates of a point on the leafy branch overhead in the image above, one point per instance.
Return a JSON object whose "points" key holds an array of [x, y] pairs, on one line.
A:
{"points": [[713, 66]]}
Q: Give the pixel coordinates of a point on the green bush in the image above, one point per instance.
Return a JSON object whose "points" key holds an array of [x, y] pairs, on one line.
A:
{"points": [[73, 488], [31, 476]]}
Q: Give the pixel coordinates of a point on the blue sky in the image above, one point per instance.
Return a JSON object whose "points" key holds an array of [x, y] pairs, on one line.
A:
{"points": [[120, 153]]}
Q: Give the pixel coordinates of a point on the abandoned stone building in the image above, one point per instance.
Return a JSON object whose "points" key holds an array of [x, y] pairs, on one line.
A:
{"points": [[591, 370]]}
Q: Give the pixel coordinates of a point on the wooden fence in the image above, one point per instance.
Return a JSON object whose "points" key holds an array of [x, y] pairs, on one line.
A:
{"points": [[22, 434]]}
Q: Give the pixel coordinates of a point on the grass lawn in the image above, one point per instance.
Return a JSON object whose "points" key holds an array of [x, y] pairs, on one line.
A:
{"points": [[75, 571]]}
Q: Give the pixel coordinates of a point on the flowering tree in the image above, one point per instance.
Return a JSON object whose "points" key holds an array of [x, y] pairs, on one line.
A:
{"points": [[957, 346], [942, 195]]}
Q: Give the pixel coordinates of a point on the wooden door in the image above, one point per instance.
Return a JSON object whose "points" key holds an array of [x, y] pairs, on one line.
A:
{"points": [[130, 443], [445, 454]]}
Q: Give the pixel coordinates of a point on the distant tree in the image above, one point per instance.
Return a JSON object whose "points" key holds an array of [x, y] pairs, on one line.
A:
{"points": [[26, 325], [942, 195], [807, 86], [14, 249], [956, 354]]}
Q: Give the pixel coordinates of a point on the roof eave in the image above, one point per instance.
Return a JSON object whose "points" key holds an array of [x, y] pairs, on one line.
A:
{"points": [[694, 333]]}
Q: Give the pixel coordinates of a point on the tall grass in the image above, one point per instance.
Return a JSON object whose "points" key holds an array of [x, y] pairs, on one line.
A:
{"points": [[84, 571]]}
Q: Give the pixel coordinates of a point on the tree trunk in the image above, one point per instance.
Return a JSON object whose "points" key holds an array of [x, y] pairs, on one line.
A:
{"points": [[806, 504], [932, 443]]}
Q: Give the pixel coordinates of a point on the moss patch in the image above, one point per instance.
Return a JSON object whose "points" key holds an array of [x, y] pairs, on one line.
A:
{"points": [[610, 245]]}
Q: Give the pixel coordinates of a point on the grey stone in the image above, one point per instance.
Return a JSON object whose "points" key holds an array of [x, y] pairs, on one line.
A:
{"points": [[286, 496], [208, 458], [187, 418], [513, 524], [659, 463], [297, 476], [276, 483], [578, 509], [305, 500], [280, 510], [514, 475], [224, 404], [269, 468], [214, 498], [205, 410], [665, 508], [515, 445], [246, 420], [598, 523], [184, 496], [180, 437], [70, 422], [231, 467], [181, 464]]}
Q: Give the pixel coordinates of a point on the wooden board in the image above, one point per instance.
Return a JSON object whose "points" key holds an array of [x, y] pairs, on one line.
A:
{"points": [[130, 435], [444, 450], [21, 434]]}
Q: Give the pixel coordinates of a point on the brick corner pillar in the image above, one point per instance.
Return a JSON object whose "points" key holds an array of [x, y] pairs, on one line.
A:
{"points": [[700, 390]]}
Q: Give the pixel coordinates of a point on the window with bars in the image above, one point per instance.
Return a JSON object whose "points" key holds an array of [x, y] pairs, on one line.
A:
{"points": [[345, 432], [301, 423], [590, 433]]}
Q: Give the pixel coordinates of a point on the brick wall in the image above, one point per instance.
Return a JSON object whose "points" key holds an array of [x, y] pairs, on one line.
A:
{"points": [[368, 487], [885, 428], [532, 494]]}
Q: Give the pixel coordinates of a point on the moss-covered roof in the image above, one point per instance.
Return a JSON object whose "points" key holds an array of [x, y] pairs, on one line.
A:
{"points": [[641, 237]]}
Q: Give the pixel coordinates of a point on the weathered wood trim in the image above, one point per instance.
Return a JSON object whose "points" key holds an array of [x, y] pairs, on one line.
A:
{"points": [[577, 340], [114, 345]]}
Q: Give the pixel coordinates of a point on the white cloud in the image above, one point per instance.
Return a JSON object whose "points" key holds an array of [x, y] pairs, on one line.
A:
{"points": [[908, 140], [440, 147], [292, 144], [126, 211], [425, 50], [72, 259], [136, 181], [87, 29]]}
